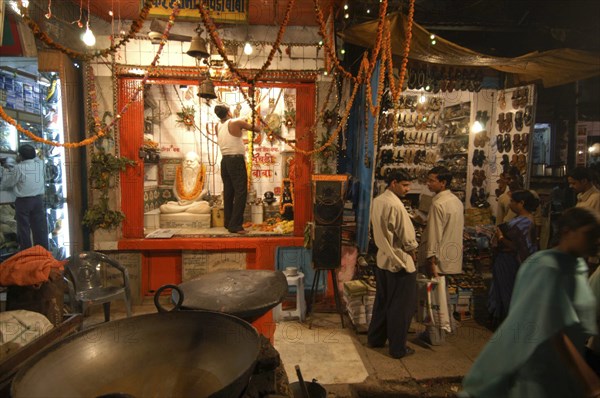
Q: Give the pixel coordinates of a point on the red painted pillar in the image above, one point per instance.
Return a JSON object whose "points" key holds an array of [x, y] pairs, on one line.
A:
{"points": [[131, 139]]}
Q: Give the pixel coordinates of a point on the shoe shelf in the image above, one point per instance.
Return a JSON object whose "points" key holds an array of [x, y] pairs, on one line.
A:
{"points": [[409, 134]]}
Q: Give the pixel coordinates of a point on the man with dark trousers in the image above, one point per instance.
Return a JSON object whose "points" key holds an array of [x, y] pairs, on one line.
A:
{"points": [[26, 179], [233, 167], [395, 274]]}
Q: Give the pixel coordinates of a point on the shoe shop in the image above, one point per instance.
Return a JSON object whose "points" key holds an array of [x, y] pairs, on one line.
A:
{"points": [[341, 198]]}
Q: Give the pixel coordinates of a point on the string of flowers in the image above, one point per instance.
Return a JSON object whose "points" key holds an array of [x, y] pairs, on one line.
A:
{"points": [[218, 43], [329, 47], [396, 88], [374, 107], [135, 27], [100, 128], [344, 118], [198, 185]]}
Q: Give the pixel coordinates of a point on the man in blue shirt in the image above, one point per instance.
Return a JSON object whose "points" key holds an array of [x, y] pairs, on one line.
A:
{"points": [[26, 180]]}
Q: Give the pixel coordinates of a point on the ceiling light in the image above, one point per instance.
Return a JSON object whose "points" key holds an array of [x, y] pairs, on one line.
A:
{"points": [[422, 99], [432, 37], [368, 10], [248, 48], [88, 37], [345, 6], [342, 51], [433, 42], [347, 16]]}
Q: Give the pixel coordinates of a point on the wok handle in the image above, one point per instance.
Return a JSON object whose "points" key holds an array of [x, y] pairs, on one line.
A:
{"points": [[303, 388], [159, 306]]}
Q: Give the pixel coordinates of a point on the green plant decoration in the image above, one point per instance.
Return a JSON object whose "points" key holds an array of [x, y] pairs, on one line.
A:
{"points": [[101, 216], [104, 167], [328, 155], [290, 118], [186, 117]]}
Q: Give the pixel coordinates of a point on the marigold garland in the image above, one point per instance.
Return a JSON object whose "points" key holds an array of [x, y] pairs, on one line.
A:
{"points": [[100, 127], [396, 88], [135, 27], [217, 42], [197, 186]]}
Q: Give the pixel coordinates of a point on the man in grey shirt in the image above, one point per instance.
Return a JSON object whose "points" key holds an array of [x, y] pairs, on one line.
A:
{"points": [[26, 179]]}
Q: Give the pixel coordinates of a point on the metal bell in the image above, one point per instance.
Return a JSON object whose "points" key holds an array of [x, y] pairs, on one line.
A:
{"points": [[198, 48], [207, 90]]}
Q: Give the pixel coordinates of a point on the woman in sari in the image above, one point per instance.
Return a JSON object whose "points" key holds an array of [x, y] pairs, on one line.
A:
{"points": [[537, 351], [516, 240]]}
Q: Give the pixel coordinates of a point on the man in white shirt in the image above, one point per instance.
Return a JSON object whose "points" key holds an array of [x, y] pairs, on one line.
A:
{"points": [[26, 180], [396, 294], [233, 167], [441, 246], [580, 180]]}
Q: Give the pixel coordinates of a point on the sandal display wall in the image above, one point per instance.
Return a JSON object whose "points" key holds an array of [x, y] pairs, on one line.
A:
{"points": [[408, 137], [513, 127]]}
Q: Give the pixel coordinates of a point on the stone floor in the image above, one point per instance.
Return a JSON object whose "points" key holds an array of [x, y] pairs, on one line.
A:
{"points": [[339, 359]]}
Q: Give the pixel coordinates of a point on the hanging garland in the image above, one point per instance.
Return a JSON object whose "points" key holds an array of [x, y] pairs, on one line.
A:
{"points": [[218, 43], [396, 88], [100, 129], [197, 186], [135, 27]]}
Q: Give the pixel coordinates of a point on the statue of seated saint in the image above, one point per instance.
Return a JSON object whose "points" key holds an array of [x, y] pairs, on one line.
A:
{"points": [[188, 188]]}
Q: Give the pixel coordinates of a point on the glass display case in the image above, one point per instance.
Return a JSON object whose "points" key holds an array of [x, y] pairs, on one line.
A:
{"points": [[34, 101]]}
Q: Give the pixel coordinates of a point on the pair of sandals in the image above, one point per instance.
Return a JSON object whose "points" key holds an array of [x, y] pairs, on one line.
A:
{"points": [[503, 143], [521, 143], [520, 97], [505, 122], [478, 158], [479, 178], [519, 161], [479, 198], [480, 139]]}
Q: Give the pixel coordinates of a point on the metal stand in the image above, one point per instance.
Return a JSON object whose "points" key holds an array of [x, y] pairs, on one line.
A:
{"points": [[336, 293]]}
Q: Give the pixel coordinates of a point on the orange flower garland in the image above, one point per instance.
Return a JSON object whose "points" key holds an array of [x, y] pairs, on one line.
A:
{"points": [[197, 187], [217, 42], [135, 27], [397, 88], [100, 127]]}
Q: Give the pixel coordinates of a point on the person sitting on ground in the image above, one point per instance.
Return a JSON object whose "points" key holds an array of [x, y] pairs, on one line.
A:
{"points": [[188, 188], [536, 352]]}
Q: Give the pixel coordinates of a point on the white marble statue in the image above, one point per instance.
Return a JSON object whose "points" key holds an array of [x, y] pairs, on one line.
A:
{"points": [[188, 188]]}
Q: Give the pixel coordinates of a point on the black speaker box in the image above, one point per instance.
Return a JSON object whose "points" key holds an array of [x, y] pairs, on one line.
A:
{"points": [[327, 247], [328, 203]]}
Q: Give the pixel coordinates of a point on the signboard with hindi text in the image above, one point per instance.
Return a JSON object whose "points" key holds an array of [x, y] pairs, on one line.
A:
{"points": [[221, 11]]}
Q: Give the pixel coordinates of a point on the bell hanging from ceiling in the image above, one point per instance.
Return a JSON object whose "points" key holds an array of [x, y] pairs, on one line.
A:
{"points": [[207, 90], [198, 46]]}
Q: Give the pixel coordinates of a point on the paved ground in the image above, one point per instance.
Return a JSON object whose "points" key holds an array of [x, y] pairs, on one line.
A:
{"points": [[340, 360], [433, 371]]}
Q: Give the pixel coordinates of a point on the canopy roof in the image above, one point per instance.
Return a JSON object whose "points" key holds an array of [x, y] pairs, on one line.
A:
{"points": [[551, 68]]}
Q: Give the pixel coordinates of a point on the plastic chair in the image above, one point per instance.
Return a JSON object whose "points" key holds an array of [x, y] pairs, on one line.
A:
{"points": [[91, 278]]}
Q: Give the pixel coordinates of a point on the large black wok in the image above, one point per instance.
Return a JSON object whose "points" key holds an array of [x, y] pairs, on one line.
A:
{"points": [[247, 294], [175, 354]]}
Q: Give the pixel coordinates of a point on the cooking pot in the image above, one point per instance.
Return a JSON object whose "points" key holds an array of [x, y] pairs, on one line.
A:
{"points": [[181, 353], [247, 294]]}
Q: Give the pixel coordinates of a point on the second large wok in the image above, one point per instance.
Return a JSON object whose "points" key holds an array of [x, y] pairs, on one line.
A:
{"points": [[175, 354]]}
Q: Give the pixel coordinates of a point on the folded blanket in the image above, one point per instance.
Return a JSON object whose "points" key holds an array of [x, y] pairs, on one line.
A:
{"points": [[29, 267]]}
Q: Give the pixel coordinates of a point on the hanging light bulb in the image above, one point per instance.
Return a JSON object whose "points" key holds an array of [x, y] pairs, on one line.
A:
{"points": [[248, 48], [477, 127], [422, 99], [88, 37]]}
